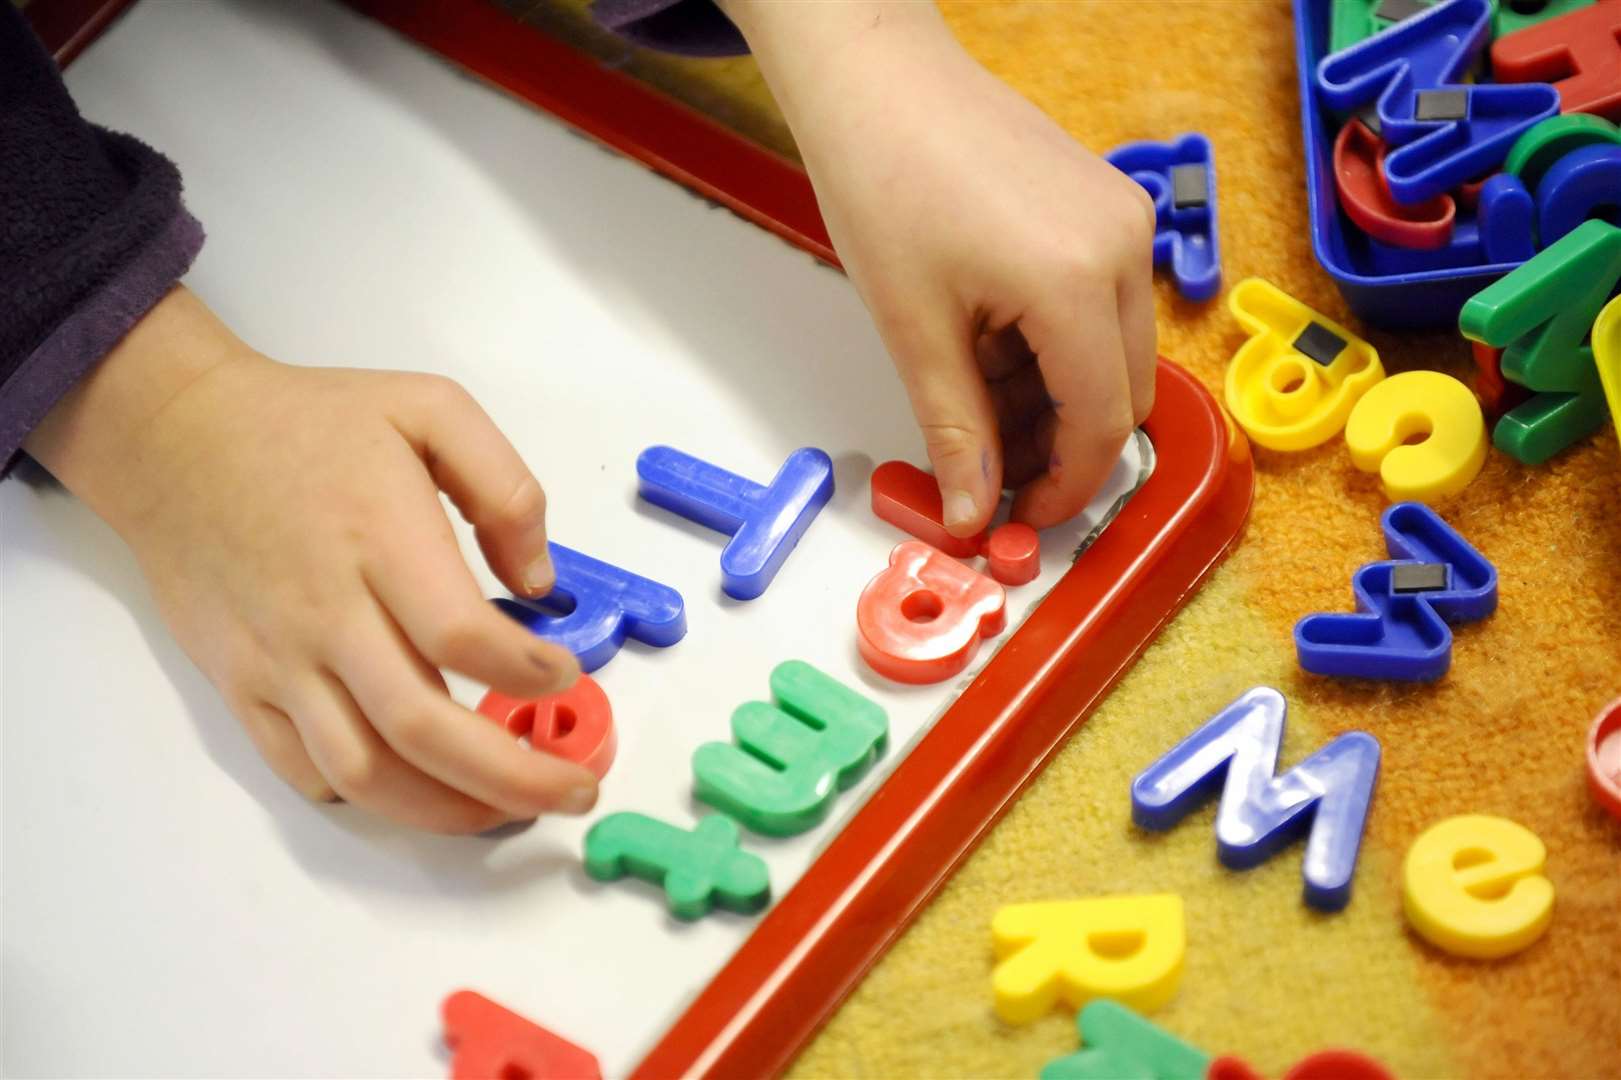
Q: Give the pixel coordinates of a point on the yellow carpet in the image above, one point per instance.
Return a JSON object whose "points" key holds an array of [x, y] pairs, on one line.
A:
{"points": [[1503, 734]]}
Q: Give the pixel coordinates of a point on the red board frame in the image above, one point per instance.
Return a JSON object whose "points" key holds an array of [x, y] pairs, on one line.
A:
{"points": [[813, 947]]}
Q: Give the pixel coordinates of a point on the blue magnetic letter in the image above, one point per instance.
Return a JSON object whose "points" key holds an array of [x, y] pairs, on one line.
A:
{"points": [[610, 605], [1181, 178], [1397, 634], [1443, 131], [1328, 793], [1584, 183], [764, 522]]}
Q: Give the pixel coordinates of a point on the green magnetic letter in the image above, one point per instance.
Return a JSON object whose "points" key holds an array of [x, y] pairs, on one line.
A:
{"points": [[1540, 314], [793, 757], [698, 869], [1117, 1044]]}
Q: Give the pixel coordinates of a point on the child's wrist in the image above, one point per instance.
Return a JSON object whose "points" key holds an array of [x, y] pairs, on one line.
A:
{"points": [[809, 52], [98, 440]]}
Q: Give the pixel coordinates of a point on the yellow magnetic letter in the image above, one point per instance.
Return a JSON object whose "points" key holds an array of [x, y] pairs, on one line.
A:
{"points": [[1128, 948], [1607, 351], [1440, 414], [1473, 886], [1292, 384]]}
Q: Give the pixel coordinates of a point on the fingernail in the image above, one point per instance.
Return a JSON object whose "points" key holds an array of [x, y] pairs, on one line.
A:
{"points": [[538, 576], [960, 508], [578, 800]]}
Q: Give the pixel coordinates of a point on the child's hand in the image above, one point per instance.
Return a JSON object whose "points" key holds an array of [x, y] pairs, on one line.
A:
{"points": [[1009, 270], [290, 524]]}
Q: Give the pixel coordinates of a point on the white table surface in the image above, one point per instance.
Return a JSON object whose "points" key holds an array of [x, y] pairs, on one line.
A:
{"points": [[169, 907]]}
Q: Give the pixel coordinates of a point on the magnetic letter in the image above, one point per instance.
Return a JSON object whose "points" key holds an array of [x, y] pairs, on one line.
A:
{"points": [[1473, 886], [764, 522], [1540, 313], [1328, 793], [700, 869], [1128, 948], [608, 605], [1425, 405], [792, 757], [1117, 1043], [922, 618], [487, 1040]]}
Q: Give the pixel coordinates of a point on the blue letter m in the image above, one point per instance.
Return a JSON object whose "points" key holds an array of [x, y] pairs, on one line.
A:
{"points": [[1237, 751]]}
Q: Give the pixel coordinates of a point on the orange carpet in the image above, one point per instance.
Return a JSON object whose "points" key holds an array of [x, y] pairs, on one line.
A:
{"points": [[1502, 734]]}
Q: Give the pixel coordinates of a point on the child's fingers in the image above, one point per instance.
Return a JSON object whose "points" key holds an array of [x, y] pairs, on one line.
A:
{"points": [[1028, 449], [474, 464], [1138, 334], [1019, 400], [363, 769], [934, 355], [419, 577], [404, 699], [1077, 340], [1002, 352], [277, 740]]}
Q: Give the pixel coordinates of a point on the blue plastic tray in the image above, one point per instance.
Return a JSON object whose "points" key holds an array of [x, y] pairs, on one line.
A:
{"points": [[1430, 298]]}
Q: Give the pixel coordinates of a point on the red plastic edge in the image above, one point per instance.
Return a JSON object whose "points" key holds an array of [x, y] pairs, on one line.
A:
{"points": [[617, 110], [814, 946], [68, 26]]}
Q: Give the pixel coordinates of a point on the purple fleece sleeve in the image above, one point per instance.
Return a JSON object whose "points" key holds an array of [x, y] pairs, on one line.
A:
{"points": [[690, 27], [92, 234]]}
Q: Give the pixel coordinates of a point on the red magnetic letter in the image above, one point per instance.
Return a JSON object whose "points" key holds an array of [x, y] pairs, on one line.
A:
{"points": [[488, 1042], [921, 619], [576, 725], [1013, 554], [1359, 172], [1579, 52], [909, 499], [1338, 1065]]}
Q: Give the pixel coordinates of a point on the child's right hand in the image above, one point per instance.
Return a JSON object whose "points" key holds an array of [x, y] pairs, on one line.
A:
{"points": [[288, 520]]}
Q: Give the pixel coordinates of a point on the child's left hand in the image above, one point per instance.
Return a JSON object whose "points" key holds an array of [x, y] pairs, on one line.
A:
{"points": [[1008, 268]]}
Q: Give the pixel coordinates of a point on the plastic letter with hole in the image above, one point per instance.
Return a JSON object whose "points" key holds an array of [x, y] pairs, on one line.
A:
{"points": [[1180, 177], [1236, 752], [921, 619], [1293, 383]]}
